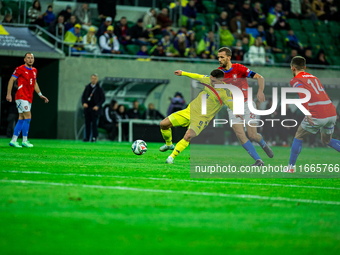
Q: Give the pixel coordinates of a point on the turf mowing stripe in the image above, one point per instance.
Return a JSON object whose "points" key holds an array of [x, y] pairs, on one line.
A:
{"points": [[168, 179], [245, 196]]}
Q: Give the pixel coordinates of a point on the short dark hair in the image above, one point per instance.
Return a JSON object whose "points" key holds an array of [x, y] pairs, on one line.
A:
{"points": [[226, 50], [298, 62], [217, 73], [28, 53]]}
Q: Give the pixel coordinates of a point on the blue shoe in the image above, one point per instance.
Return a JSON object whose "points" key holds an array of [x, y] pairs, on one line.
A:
{"points": [[166, 147]]}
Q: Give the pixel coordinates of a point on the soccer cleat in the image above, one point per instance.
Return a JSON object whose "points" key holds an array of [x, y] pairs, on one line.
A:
{"points": [[268, 150], [258, 162], [166, 147], [27, 144], [15, 144], [169, 160], [289, 169]]}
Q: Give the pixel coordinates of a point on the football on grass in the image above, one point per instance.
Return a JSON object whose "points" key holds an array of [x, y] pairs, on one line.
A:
{"points": [[139, 147]]}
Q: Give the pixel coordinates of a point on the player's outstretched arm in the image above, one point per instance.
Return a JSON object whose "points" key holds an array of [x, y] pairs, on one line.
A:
{"points": [[37, 89], [9, 88], [260, 81]]}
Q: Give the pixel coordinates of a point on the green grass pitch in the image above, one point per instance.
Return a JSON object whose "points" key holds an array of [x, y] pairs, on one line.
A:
{"points": [[69, 197]]}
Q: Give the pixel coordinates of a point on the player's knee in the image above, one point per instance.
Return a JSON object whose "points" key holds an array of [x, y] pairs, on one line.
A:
{"points": [[252, 137], [325, 140], [164, 124]]}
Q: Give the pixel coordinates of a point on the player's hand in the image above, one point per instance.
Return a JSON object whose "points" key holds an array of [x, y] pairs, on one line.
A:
{"points": [[239, 116], [178, 72], [45, 99], [95, 108], [310, 120], [9, 98], [85, 105], [260, 96]]}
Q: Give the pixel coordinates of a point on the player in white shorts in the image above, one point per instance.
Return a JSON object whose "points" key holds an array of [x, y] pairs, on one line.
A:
{"points": [[323, 113]]}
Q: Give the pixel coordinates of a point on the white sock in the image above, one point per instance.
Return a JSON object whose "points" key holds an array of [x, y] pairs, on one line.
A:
{"points": [[14, 138], [24, 139]]}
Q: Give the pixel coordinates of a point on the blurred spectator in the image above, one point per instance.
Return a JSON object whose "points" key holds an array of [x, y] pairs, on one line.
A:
{"points": [[71, 23], [143, 51], [190, 13], [320, 59], [134, 112], [295, 9], [163, 19], [276, 18], [245, 42], [90, 41], [293, 54], [286, 7], [83, 15], [317, 7], [109, 120], [122, 115], [271, 41], [259, 31], [293, 42], [308, 55], [92, 99], [108, 42], [257, 53], [122, 31], [192, 45], [158, 50], [331, 10], [7, 18], [152, 114], [226, 37], [200, 6], [206, 48], [238, 26], [258, 14], [34, 14], [138, 35], [66, 13], [181, 45], [222, 18], [103, 27], [107, 8], [247, 14], [307, 10], [73, 36], [57, 27], [231, 9], [237, 51], [149, 18], [167, 46], [267, 4], [177, 103], [49, 16]]}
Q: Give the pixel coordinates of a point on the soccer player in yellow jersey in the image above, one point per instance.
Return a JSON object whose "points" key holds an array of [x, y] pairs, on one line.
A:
{"points": [[192, 117]]}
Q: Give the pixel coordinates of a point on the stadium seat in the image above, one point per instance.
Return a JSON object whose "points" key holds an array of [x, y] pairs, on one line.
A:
{"points": [[130, 24], [201, 17], [308, 25], [314, 38], [334, 27], [321, 27], [303, 38], [210, 18], [211, 6], [326, 38], [335, 60], [280, 58], [331, 50], [295, 24], [132, 49], [200, 31]]}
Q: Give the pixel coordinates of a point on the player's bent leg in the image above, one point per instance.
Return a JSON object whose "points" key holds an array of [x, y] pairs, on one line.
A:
{"points": [[246, 144], [165, 126], [254, 136], [331, 142], [25, 129], [181, 145], [17, 131]]}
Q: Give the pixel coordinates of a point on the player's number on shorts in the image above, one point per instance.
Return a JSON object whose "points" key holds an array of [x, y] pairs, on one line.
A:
{"points": [[317, 88]]}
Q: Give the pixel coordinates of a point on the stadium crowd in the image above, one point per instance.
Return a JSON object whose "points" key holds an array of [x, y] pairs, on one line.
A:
{"points": [[255, 30]]}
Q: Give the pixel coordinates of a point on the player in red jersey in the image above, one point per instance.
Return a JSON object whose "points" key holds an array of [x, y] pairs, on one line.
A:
{"points": [[323, 112], [237, 74], [26, 75]]}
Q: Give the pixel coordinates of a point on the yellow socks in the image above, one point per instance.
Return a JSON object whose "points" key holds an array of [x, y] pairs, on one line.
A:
{"points": [[180, 146], [167, 136]]}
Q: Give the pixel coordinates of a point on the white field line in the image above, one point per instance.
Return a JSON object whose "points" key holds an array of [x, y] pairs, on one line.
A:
{"points": [[178, 180], [193, 193]]}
